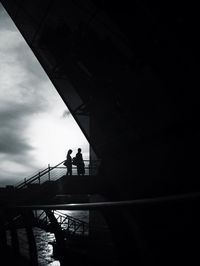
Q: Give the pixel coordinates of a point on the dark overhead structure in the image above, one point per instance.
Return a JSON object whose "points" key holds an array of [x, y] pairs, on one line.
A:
{"points": [[128, 73]]}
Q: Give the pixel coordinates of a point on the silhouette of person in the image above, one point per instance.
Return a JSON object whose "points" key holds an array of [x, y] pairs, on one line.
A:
{"points": [[69, 162], [80, 163]]}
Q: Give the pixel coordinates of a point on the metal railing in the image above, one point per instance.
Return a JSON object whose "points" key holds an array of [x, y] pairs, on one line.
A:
{"points": [[68, 224], [56, 172], [115, 204]]}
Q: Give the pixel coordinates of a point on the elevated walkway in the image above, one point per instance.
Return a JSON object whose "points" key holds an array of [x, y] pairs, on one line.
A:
{"points": [[48, 185], [55, 173]]}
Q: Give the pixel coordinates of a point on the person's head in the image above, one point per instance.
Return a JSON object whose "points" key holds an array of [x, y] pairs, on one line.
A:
{"points": [[69, 151], [79, 149]]}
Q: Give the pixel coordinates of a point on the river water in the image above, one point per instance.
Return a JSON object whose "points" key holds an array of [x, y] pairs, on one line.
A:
{"points": [[43, 238]]}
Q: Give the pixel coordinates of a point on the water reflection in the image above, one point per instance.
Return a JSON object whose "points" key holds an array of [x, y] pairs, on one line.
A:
{"points": [[44, 249]]}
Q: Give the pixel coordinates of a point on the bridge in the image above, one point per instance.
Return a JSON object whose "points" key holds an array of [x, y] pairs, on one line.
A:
{"points": [[128, 72]]}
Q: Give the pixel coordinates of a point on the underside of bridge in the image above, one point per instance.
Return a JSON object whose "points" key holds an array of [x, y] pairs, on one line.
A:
{"points": [[128, 73]]}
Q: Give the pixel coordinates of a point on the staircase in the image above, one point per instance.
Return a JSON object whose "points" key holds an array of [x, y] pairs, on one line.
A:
{"points": [[69, 225], [47, 184], [54, 173]]}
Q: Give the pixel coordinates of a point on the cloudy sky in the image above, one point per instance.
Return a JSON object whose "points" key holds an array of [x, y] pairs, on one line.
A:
{"points": [[35, 125]]}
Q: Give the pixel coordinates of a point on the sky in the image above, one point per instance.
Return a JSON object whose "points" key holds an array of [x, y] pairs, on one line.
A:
{"points": [[36, 128]]}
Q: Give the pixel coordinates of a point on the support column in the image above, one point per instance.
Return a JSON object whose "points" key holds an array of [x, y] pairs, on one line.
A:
{"points": [[3, 240], [28, 223], [62, 252], [14, 239]]}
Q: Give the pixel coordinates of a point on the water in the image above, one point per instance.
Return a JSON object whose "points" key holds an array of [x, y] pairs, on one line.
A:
{"points": [[43, 238], [81, 215]]}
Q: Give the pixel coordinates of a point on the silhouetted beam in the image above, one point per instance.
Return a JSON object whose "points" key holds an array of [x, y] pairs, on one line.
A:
{"points": [[28, 218], [114, 204]]}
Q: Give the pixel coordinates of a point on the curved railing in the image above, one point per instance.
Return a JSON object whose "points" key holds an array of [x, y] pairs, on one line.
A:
{"points": [[114, 204]]}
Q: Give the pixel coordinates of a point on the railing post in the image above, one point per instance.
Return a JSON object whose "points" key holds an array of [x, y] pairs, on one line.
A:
{"points": [[90, 167], [83, 227], [49, 172]]}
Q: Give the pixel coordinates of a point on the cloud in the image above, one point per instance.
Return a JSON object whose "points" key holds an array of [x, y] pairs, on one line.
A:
{"points": [[6, 22], [23, 88], [12, 144], [33, 132], [66, 113], [14, 120]]}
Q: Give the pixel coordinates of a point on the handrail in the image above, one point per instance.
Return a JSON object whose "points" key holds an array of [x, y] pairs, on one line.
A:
{"points": [[29, 178], [91, 166], [112, 204], [35, 177]]}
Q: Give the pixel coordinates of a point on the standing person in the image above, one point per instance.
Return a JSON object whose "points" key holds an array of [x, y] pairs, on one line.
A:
{"points": [[68, 162], [80, 163]]}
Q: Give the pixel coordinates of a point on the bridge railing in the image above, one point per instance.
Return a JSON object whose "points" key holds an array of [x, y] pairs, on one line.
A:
{"points": [[67, 223], [54, 173], [71, 224]]}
